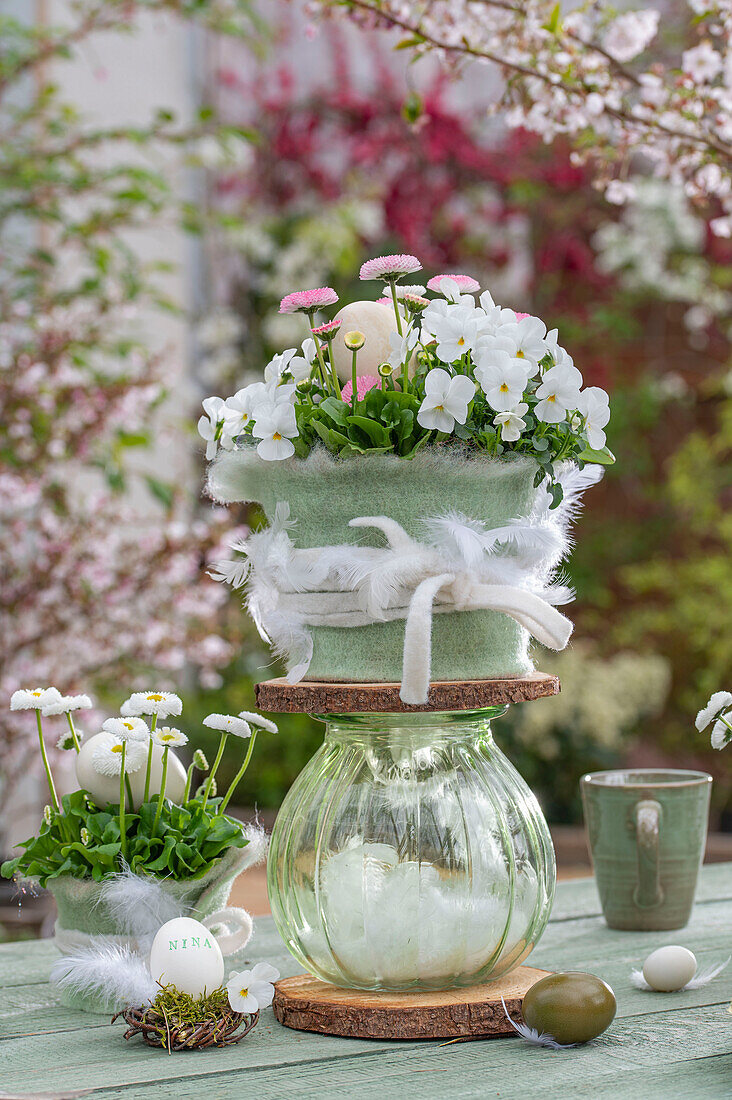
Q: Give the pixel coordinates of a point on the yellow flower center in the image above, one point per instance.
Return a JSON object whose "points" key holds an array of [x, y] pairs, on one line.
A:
{"points": [[552, 397], [128, 725], [277, 436], [439, 408], [461, 341], [243, 992], [116, 748], [520, 354], [37, 694], [155, 698], [167, 737], [504, 388]]}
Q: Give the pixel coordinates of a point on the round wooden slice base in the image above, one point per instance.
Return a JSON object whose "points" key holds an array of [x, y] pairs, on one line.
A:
{"points": [[307, 1004], [324, 697]]}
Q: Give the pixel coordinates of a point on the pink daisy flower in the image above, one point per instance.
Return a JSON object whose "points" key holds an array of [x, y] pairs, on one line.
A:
{"points": [[384, 302], [522, 316], [389, 267], [364, 383], [307, 301], [466, 283], [328, 330]]}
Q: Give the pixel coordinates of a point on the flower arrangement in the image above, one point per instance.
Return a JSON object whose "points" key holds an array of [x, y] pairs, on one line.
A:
{"points": [[421, 366], [155, 825], [718, 714]]}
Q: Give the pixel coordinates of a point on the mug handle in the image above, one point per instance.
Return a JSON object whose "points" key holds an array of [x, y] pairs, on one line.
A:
{"points": [[231, 926], [647, 814]]}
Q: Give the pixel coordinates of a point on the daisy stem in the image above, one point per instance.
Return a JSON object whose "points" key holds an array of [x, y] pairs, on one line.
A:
{"points": [[122, 831], [318, 351], [333, 375], [46, 765], [354, 393], [189, 780], [235, 781], [128, 788], [392, 287], [70, 720], [212, 773], [721, 718], [150, 747], [161, 793]]}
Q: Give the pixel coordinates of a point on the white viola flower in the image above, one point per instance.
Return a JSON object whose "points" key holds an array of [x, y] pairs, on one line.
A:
{"points": [[228, 723], [558, 393], [168, 737], [252, 990], [446, 400], [257, 720], [456, 331], [127, 729], [502, 378], [721, 700], [208, 425], [402, 347], [162, 703], [239, 410], [278, 364], [301, 366], [275, 426], [66, 704], [553, 346], [107, 757], [511, 422], [528, 337], [721, 734], [594, 404], [34, 698]]}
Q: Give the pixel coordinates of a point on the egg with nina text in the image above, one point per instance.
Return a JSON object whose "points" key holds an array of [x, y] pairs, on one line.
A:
{"points": [[186, 954]]}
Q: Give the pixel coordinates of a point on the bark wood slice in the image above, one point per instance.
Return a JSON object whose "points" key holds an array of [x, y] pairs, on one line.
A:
{"points": [[323, 697], [307, 1004]]}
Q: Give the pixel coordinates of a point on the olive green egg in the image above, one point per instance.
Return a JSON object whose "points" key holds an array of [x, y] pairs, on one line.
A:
{"points": [[571, 1007]]}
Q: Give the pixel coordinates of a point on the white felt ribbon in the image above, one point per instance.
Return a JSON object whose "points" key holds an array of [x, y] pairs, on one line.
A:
{"points": [[464, 567]]}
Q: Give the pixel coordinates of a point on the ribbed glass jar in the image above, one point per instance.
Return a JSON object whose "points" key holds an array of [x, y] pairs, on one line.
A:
{"points": [[410, 854]]}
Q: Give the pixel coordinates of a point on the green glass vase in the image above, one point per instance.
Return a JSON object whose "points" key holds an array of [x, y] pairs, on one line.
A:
{"points": [[409, 854]]}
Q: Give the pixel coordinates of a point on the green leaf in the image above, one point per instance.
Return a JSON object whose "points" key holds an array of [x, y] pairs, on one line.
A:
{"points": [[376, 432], [605, 457], [336, 410]]}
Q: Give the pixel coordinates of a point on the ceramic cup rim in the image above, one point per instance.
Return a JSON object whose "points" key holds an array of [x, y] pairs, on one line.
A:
{"points": [[646, 777]]}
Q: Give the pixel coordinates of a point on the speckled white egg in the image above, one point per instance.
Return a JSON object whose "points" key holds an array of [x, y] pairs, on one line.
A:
{"points": [[104, 788], [669, 968], [186, 954], [377, 323]]}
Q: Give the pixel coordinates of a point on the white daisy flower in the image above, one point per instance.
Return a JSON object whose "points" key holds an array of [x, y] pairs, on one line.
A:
{"points": [[162, 703], [511, 423], [275, 426], [107, 757], [594, 404], [34, 698], [252, 990], [558, 393], [228, 723], [66, 704], [169, 737], [208, 425], [401, 290], [127, 729], [502, 377], [257, 720], [66, 740], [721, 734], [446, 400], [718, 702]]}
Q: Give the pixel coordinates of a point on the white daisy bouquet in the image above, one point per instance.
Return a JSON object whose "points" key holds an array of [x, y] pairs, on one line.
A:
{"points": [[430, 365], [135, 807]]}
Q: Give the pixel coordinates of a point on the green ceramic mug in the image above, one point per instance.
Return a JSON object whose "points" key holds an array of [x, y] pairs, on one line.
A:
{"points": [[647, 829]]}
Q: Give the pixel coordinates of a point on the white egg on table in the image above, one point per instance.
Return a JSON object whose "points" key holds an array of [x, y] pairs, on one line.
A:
{"points": [[669, 968], [104, 788], [186, 954]]}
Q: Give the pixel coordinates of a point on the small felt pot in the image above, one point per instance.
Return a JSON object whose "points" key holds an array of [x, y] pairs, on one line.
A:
{"points": [[324, 492]]}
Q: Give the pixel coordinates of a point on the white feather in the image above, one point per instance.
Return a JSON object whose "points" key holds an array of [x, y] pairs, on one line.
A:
{"points": [[540, 1039], [113, 976], [138, 904]]}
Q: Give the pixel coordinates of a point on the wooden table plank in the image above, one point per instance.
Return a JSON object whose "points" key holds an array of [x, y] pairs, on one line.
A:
{"points": [[656, 1042]]}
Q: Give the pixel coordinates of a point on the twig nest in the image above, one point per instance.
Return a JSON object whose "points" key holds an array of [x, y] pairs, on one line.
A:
{"points": [[104, 788], [571, 1007], [176, 1021], [376, 323], [669, 968]]}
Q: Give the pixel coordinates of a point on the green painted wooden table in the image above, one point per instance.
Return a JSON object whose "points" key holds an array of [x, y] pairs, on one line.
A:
{"points": [[661, 1045]]}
